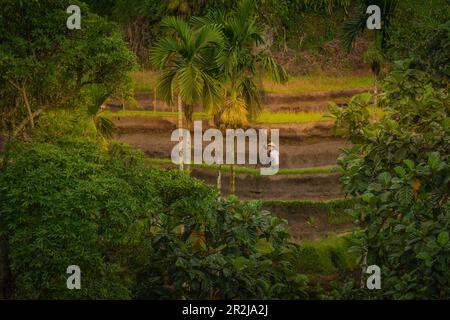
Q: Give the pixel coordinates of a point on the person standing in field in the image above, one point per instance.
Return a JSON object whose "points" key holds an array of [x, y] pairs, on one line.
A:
{"points": [[274, 155]]}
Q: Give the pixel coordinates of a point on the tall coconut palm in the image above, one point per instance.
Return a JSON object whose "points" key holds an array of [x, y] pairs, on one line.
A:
{"points": [[242, 60], [357, 25], [183, 57]]}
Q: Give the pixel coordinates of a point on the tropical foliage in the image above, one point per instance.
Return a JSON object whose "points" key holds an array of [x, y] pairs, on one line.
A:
{"points": [[132, 230], [400, 168], [186, 59], [66, 62]]}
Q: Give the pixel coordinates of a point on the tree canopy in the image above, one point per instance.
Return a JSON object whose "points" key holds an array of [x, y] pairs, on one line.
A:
{"points": [[44, 65]]}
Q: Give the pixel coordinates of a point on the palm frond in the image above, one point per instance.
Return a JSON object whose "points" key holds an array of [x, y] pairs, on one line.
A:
{"points": [[355, 26], [351, 29], [104, 126], [163, 51], [212, 93], [181, 28], [250, 92], [209, 35], [165, 84], [273, 68], [235, 112], [190, 83]]}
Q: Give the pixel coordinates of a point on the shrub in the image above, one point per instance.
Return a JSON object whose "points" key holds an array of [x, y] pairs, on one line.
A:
{"points": [[222, 261], [324, 257], [70, 205], [134, 231], [400, 168]]}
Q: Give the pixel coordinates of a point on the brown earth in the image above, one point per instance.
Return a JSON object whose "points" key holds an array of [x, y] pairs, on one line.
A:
{"points": [[283, 186], [301, 145], [273, 102], [330, 59], [297, 150]]}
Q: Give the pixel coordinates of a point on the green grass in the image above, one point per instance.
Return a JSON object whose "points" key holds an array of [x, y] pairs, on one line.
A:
{"points": [[316, 83], [243, 169], [291, 117], [327, 256], [265, 117], [144, 81], [321, 257]]}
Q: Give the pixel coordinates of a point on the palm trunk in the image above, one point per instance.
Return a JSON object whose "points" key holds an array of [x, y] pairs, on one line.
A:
{"points": [[188, 113], [375, 91], [219, 179], [154, 100], [171, 99], [232, 179], [180, 133], [284, 41], [232, 171]]}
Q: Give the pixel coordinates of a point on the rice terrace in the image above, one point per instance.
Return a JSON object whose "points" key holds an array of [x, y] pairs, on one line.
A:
{"points": [[135, 137]]}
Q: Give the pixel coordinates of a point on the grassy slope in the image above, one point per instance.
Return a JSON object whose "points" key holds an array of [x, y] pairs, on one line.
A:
{"points": [[265, 117], [327, 256], [306, 84], [322, 257], [144, 81], [245, 170]]}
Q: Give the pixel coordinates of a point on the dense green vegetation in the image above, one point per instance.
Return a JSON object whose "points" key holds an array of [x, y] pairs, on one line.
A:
{"points": [[325, 257], [287, 19], [69, 65], [292, 26], [69, 195], [145, 81], [400, 168], [134, 231]]}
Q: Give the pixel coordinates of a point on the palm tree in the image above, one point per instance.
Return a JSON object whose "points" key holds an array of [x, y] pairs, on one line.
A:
{"points": [[357, 25], [104, 127], [186, 69], [375, 57], [241, 61], [233, 115]]}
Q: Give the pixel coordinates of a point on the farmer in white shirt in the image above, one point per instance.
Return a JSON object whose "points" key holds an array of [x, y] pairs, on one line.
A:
{"points": [[274, 155], [274, 158]]}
